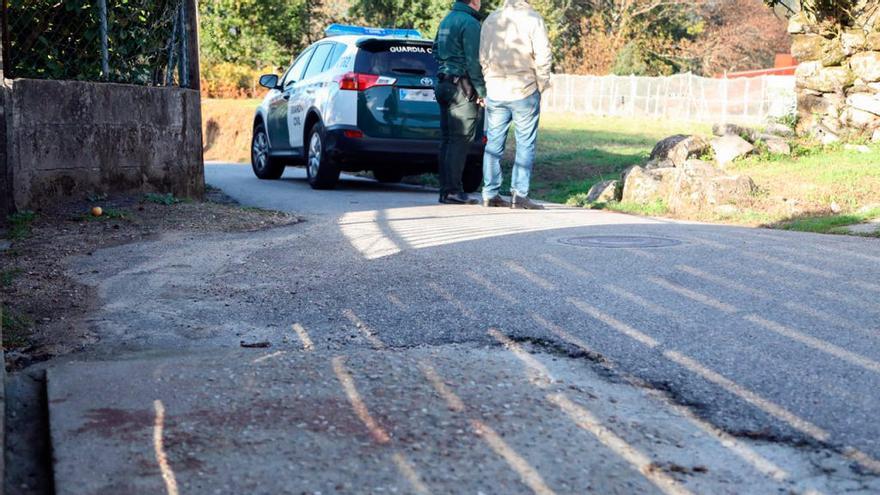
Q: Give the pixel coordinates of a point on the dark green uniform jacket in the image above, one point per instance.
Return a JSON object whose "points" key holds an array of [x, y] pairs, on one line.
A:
{"points": [[457, 46]]}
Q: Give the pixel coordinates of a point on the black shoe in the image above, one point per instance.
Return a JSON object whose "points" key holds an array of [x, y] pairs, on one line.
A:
{"points": [[457, 199], [524, 203], [496, 202]]}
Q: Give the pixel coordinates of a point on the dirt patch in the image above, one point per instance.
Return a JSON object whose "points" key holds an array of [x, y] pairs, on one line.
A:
{"points": [[43, 307], [227, 127]]}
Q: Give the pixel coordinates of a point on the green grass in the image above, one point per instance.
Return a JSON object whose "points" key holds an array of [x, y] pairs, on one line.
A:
{"points": [[576, 151], [830, 224], [162, 199], [20, 224], [7, 276], [655, 209], [16, 328]]}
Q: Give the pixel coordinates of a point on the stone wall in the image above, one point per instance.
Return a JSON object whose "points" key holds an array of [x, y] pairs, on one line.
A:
{"points": [[838, 80], [73, 139]]}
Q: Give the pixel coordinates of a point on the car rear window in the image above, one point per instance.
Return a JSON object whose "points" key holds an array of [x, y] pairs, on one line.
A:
{"points": [[396, 57]]}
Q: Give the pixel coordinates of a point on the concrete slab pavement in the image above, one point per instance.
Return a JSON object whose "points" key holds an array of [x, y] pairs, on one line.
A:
{"points": [[448, 419], [765, 339]]}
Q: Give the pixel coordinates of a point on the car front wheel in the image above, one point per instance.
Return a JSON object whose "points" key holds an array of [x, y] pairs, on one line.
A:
{"points": [[265, 167], [323, 173]]}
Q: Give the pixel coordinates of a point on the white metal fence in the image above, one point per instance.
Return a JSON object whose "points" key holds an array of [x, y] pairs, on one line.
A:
{"points": [[681, 97]]}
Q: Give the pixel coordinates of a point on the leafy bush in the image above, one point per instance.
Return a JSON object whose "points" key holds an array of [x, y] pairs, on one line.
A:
{"points": [[230, 80]]}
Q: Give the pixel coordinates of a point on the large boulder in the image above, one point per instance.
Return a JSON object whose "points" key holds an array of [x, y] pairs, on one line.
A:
{"points": [[865, 101], [646, 186], [866, 66], [603, 192], [677, 149], [694, 186], [730, 147], [699, 186]]}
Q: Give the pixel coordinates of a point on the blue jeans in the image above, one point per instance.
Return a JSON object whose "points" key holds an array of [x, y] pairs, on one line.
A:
{"points": [[523, 114]]}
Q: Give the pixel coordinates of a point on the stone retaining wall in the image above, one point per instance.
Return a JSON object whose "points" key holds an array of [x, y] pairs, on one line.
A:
{"points": [[838, 80], [73, 139]]}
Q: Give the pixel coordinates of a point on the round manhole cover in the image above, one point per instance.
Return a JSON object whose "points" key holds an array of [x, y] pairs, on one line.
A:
{"points": [[620, 242]]}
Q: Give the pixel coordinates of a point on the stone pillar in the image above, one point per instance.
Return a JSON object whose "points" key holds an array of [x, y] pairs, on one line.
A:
{"points": [[838, 80]]}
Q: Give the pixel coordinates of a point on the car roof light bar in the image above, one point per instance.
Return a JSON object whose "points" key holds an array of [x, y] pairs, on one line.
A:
{"points": [[343, 30]]}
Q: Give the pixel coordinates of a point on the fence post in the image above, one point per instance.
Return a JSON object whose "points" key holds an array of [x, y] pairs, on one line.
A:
{"points": [[725, 85], [105, 48], [632, 95], [190, 44]]}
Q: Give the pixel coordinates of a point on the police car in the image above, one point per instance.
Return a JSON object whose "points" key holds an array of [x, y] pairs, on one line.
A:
{"points": [[361, 99]]}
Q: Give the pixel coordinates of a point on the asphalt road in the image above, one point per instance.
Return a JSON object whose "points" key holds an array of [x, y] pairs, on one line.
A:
{"points": [[764, 337]]}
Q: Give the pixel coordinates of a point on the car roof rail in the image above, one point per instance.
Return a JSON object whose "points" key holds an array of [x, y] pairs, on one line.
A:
{"points": [[343, 30]]}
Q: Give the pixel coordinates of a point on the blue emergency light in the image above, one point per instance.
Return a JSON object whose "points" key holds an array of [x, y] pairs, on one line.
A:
{"points": [[342, 30]]}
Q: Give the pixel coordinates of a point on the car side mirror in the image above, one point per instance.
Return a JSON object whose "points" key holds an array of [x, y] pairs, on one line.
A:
{"points": [[269, 81]]}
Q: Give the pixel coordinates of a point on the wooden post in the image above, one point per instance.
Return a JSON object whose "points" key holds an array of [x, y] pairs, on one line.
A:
{"points": [[191, 35]]}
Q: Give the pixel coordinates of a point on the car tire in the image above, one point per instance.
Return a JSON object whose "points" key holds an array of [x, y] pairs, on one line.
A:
{"points": [[388, 176], [472, 178], [322, 171], [265, 167]]}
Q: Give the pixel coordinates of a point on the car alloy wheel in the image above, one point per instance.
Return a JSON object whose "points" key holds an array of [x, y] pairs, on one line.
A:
{"points": [[260, 150], [315, 152]]}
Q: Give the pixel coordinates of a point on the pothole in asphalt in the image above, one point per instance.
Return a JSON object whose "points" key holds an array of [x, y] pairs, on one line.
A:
{"points": [[619, 242]]}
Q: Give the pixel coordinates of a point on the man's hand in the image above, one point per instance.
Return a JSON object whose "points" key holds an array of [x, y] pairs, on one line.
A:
{"points": [[481, 102]]}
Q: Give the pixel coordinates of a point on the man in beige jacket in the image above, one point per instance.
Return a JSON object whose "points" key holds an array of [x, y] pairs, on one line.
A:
{"points": [[516, 58]]}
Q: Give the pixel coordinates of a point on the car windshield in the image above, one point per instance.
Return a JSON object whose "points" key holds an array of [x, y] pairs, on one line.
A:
{"points": [[396, 57]]}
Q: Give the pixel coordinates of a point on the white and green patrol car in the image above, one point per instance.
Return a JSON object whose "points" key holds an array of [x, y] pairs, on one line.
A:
{"points": [[361, 99]]}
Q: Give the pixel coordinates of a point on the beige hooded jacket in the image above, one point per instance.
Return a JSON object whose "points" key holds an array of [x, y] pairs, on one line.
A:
{"points": [[515, 52]]}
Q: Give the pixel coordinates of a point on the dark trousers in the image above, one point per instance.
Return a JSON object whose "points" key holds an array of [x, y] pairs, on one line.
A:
{"points": [[458, 122]]}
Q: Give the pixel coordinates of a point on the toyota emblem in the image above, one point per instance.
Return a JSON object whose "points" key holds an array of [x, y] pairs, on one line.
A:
{"points": [[427, 81]]}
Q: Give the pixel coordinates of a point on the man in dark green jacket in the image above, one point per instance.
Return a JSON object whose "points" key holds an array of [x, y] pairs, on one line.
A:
{"points": [[460, 92]]}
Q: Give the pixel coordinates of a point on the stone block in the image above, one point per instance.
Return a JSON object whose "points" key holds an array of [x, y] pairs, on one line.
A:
{"points": [[807, 47], [866, 66], [872, 42], [852, 41], [860, 119], [867, 102], [797, 24], [813, 75]]}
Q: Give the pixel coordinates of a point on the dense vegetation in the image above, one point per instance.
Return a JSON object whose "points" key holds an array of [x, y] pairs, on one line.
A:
{"points": [[646, 37]]}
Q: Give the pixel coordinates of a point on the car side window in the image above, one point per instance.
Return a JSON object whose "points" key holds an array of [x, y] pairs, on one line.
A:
{"points": [[338, 50], [316, 65], [295, 72]]}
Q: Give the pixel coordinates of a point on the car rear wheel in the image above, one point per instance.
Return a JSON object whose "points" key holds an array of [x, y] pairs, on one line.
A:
{"points": [[323, 173], [265, 167], [472, 179], [388, 176]]}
